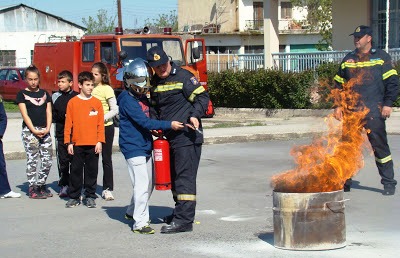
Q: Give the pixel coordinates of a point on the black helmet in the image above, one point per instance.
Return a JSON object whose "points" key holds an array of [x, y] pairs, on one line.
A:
{"points": [[137, 76]]}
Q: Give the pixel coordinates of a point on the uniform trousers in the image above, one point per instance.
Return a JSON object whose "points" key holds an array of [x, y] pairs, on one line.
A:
{"points": [[378, 139], [184, 165], [383, 159]]}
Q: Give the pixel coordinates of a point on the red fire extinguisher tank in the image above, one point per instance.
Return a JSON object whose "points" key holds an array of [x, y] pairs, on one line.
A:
{"points": [[162, 164]]}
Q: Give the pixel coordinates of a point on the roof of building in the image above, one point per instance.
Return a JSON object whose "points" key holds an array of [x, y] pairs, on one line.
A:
{"points": [[7, 8]]}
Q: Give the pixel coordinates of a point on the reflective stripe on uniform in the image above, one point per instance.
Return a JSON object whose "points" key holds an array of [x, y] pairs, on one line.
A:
{"points": [[384, 160], [338, 79], [389, 73], [169, 87], [196, 92], [186, 197], [362, 64]]}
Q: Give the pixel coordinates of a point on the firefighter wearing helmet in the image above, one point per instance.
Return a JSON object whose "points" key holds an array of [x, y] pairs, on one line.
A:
{"points": [[135, 139]]}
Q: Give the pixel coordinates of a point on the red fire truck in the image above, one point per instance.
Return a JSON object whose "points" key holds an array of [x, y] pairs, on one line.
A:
{"points": [[115, 50]]}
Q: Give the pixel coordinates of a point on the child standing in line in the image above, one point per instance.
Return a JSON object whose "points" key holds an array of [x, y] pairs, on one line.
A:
{"points": [[5, 190], [84, 134], [136, 142], [105, 93], [60, 100], [35, 107]]}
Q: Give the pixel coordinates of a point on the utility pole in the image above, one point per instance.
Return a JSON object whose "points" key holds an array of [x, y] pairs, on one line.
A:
{"points": [[119, 30], [119, 13]]}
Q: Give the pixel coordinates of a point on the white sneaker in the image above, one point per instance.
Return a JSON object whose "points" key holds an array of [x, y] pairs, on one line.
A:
{"points": [[107, 195], [63, 191], [11, 194]]}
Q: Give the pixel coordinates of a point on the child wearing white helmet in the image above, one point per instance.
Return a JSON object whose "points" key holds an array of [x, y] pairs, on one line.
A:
{"points": [[135, 139]]}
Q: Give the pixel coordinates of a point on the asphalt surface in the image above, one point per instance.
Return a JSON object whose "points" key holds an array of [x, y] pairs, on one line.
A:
{"points": [[234, 211]]}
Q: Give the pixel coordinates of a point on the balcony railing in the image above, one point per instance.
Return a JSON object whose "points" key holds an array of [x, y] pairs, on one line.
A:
{"points": [[254, 24]]}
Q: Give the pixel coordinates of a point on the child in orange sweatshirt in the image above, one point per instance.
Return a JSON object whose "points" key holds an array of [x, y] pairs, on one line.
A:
{"points": [[84, 134]]}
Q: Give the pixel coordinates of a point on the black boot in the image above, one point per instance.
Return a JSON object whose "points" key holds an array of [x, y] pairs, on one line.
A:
{"points": [[176, 228], [389, 190]]}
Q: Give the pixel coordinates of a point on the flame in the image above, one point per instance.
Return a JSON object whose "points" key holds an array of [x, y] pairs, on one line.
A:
{"points": [[330, 160]]}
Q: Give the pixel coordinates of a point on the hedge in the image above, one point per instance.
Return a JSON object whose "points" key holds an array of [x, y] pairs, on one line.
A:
{"points": [[274, 88]]}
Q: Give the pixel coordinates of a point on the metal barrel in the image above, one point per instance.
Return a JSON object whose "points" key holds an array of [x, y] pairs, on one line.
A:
{"points": [[309, 221]]}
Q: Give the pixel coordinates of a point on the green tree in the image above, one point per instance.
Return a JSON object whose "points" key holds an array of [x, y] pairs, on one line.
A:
{"points": [[164, 20], [102, 22], [319, 17]]}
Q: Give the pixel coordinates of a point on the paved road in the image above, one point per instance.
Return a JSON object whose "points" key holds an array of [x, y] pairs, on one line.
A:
{"points": [[234, 213]]}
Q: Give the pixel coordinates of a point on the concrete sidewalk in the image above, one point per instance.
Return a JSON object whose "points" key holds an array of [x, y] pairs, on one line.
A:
{"points": [[227, 126]]}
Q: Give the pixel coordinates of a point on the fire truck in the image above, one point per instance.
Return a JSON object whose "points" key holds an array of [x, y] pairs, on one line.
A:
{"points": [[115, 50]]}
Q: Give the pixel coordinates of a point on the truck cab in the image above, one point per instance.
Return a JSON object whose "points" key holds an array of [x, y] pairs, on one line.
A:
{"points": [[115, 51]]}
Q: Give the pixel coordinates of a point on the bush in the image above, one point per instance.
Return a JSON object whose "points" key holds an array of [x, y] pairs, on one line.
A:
{"points": [[260, 89]]}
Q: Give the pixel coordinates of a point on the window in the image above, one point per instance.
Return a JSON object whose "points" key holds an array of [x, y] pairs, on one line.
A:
{"points": [[194, 52], [286, 10], [258, 15], [7, 58], [379, 24], [108, 52], [12, 75], [3, 74], [88, 52], [137, 47]]}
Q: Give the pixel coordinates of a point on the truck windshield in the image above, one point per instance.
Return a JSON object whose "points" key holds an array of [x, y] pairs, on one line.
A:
{"points": [[138, 47]]}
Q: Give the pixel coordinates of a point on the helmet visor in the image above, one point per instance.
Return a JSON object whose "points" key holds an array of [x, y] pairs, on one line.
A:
{"points": [[138, 81]]}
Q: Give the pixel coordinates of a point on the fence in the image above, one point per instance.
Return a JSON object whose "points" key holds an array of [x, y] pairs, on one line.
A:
{"points": [[222, 62], [288, 62]]}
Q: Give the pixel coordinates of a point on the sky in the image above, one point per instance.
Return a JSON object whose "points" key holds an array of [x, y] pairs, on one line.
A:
{"points": [[134, 12]]}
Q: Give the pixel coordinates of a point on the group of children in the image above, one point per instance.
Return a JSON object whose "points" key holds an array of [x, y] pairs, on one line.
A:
{"points": [[83, 130]]}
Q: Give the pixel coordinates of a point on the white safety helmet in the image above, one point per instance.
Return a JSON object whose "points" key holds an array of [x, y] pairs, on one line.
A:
{"points": [[137, 76]]}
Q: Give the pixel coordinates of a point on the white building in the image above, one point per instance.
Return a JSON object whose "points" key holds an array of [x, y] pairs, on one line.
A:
{"points": [[237, 26], [22, 26]]}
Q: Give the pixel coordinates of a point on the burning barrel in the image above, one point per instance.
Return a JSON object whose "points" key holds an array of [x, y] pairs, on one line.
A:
{"points": [[309, 221]]}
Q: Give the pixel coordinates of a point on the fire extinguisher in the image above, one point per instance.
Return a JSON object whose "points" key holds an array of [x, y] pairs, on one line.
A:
{"points": [[162, 163]]}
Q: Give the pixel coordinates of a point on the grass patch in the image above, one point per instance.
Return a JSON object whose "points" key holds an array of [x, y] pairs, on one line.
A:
{"points": [[10, 106]]}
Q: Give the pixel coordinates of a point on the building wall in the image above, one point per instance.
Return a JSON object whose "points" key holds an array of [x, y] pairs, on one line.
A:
{"points": [[346, 16], [21, 28], [195, 12]]}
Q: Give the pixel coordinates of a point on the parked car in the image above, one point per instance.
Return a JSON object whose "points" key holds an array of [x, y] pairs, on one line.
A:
{"points": [[12, 80]]}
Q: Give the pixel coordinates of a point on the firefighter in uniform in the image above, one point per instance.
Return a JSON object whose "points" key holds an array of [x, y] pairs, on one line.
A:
{"points": [[378, 89], [178, 96]]}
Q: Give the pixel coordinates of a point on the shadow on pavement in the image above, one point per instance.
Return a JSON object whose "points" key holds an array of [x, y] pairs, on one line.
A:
{"points": [[356, 185], [267, 237], [156, 213]]}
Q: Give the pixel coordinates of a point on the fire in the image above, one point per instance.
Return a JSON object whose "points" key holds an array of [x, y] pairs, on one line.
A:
{"points": [[330, 160]]}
